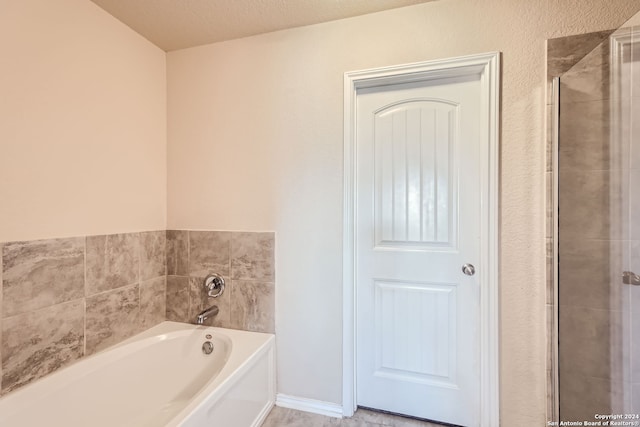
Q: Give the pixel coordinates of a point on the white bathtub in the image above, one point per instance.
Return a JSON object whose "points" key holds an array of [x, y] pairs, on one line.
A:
{"points": [[160, 377]]}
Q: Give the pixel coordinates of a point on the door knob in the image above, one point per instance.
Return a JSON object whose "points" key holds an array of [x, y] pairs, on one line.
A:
{"points": [[469, 269]]}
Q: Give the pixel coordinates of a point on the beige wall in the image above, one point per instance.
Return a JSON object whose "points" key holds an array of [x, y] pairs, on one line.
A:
{"points": [[82, 123], [255, 143]]}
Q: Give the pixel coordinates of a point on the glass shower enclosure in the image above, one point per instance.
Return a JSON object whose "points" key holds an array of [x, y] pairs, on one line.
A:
{"points": [[596, 116]]}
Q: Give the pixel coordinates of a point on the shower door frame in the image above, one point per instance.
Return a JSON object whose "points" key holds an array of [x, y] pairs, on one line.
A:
{"points": [[619, 43], [555, 330]]}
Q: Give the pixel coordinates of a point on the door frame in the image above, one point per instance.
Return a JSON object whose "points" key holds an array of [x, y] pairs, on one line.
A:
{"points": [[487, 67]]}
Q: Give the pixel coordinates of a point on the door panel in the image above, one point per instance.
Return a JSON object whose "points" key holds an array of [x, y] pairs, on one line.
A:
{"points": [[420, 353], [415, 199], [417, 222]]}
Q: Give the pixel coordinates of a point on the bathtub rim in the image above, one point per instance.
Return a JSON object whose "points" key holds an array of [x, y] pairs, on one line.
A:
{"points": [[246, 348], [234, 370]]}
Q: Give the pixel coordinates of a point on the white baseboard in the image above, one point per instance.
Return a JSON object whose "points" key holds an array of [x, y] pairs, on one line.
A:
{"points": [[309, 405]]}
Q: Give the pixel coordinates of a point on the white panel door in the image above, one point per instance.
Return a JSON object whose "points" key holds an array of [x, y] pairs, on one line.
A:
{"points": [[417, 224]]}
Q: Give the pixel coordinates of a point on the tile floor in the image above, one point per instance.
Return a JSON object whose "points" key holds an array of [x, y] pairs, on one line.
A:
{"points": [[283, 417]]}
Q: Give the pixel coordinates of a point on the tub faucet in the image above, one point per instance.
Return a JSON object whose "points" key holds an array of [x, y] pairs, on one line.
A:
{"points": [[205, 314]]}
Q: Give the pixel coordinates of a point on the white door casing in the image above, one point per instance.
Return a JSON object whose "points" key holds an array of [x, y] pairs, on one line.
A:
{"points": [[420, 201]]}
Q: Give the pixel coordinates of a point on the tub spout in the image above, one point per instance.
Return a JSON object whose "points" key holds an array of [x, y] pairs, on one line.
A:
{"points": [[205, 314]]}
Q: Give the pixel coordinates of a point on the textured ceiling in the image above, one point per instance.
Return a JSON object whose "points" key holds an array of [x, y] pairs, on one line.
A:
{"points": [[178, 24]]}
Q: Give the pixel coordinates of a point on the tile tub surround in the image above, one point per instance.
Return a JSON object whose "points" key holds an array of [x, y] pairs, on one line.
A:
{"points": [[112, 261], [246, 260], [63, 299], [37, 343], [28, 268]]}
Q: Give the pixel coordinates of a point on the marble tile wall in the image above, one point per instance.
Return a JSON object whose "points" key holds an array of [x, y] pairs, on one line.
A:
{"points": [[62, 299], [247, 262]]}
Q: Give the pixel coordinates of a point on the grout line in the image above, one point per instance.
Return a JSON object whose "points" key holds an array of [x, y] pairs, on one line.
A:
{"points": [[232, 237], [1, 310], [224, 231], [188, 274], [84, 317], [119, 288], [139, 264], [84, 323], [140, 245], [188, 253], [232, 286]]}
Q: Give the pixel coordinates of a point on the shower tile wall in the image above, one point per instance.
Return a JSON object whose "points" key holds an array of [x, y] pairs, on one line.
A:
{"points": [[587, 272], [63, 299], [589, 212], [245, 260], [562, 54]]}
